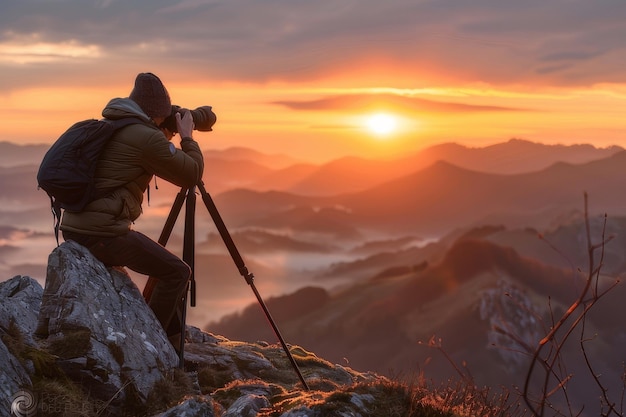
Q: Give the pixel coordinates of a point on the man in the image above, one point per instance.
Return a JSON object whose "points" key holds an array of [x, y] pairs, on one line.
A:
{"points": [[126, 166]]}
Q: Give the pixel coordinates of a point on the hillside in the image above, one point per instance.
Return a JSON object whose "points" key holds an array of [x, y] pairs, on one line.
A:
{"points": [[92, 347], [385, 323]]}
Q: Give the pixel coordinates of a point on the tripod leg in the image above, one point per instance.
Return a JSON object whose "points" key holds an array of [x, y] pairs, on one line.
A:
{"points": [[189, 243], [243, 270], [189, 258], [165, 235]]}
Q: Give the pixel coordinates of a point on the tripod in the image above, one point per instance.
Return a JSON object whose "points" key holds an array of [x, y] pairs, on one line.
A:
{"points": [[187, 196]]}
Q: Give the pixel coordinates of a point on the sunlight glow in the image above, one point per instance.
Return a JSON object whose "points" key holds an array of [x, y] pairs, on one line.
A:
{"points": [[382, 124]]}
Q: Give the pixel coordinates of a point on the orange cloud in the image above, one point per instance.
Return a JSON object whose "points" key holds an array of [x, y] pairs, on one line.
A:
{"points": [[364, 102]]}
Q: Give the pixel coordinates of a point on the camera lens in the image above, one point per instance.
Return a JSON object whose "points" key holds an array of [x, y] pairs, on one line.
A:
{"points": [[203, 119]]}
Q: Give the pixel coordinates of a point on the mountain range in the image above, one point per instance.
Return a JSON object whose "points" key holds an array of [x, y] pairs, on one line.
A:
{"points": [[365, 261], [433, 200], [239, 167]]}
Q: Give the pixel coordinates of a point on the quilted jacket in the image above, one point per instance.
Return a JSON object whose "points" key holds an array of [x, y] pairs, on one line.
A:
{"points": [[125, 168]]}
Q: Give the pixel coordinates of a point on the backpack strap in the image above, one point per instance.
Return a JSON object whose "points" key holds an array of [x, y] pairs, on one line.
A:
{"points": [[56, 218]]}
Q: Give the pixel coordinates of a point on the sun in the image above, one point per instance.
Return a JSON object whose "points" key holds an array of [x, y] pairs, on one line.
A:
{"points": [[381, 124]]}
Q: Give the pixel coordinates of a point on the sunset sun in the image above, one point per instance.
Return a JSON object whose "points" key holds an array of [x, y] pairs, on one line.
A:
{"points": [[381, 124]]}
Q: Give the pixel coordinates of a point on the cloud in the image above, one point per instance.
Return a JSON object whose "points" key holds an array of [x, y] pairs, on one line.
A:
{"points": [[35, 50], [570, 56], [363, 102], [258, 41]]}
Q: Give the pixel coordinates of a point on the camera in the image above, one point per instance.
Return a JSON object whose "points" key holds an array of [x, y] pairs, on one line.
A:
{"points": [[203, 119]]}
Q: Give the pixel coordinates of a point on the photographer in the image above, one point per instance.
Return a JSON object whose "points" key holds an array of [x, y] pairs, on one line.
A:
{"points": [[124, 170]]}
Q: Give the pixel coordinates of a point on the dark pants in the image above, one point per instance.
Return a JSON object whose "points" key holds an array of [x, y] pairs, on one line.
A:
{"points": [[141, 254]]}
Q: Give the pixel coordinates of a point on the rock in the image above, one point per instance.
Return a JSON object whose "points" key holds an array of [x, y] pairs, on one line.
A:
{"points": [[97, 322], [233, 360], [200, 406], [20, 297], [13, 376], [247, 406], [509, 310]]}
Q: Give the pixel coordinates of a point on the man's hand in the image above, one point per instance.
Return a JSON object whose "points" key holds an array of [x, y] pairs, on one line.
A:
{"points": [[184, 124]]}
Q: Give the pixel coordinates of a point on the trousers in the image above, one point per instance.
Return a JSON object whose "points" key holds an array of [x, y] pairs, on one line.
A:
{"points": [[141, 254]]}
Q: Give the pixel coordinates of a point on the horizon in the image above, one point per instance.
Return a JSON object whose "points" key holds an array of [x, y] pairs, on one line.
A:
{"points": [[285, 159], [328, 80]]}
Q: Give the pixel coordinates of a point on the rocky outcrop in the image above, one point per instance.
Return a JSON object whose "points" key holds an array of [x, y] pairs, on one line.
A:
{"points": [[96, 321], [513, 322], [88, 344]]}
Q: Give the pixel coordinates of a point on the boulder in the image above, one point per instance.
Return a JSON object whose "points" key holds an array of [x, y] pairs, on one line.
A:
{"points": [[21, 296], [98, 324]]}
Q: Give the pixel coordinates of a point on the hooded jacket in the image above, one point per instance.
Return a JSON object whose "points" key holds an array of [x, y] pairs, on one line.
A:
{"points": [[126, 166]]}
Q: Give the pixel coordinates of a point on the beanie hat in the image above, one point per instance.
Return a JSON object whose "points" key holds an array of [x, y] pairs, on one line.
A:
{"points": [[151, 95]]}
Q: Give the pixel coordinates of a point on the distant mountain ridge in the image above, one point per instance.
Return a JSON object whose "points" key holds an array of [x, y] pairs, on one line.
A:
{"points": [[517, 156], [513, 157], [423, 201], [239, 167], [12, 154], [435, 199], [239, 153]]}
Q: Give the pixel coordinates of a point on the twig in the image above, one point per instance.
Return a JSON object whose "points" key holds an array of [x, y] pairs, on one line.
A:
{"points": [[587, 299]]}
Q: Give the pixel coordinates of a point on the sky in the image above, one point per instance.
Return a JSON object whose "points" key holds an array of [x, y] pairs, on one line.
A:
{"points": [[306, 78]]}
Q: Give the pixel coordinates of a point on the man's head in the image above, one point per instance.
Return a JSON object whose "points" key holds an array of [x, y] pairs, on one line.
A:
{"points": [[150, 94]]}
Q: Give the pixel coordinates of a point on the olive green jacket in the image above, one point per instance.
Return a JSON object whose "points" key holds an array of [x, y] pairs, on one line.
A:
{"points": [[125, 168]]}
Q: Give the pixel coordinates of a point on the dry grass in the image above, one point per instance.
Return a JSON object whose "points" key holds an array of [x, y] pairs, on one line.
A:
{"points": [[388, 398]]}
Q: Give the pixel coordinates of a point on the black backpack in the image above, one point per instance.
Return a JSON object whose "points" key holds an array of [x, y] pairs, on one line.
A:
{"points": [[67, 170]]}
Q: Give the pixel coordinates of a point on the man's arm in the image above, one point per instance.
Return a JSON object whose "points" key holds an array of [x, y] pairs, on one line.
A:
{"points": [[182, 167]]}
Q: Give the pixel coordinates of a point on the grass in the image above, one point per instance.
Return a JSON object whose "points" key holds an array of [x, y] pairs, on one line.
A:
{"points": [[73, 344], [388, 398], [381, 397]]}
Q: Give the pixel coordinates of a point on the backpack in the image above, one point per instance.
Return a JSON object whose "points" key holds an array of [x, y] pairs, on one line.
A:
{"points": [[67, 170]]}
